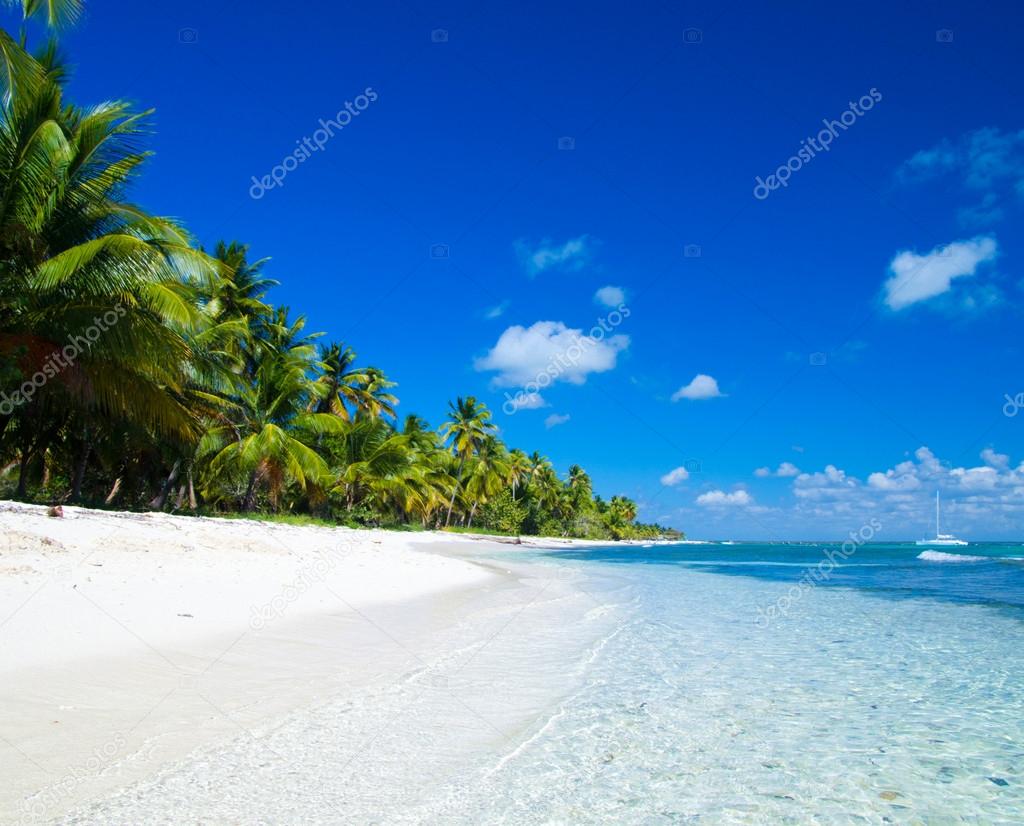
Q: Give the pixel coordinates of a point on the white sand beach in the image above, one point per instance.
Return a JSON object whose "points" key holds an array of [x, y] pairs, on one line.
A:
{"points": [[130, 642]]}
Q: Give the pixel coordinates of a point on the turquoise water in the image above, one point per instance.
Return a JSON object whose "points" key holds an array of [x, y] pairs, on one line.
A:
{"points": [[985, 574], [889, 691], [657, 685]]}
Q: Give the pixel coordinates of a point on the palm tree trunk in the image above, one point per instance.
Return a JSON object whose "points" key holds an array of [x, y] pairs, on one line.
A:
{"points": [[192, 503], [80, 466], [249, 502], [472, 511], [116, 489], [455, 489], [160, 500], [26, 455]]}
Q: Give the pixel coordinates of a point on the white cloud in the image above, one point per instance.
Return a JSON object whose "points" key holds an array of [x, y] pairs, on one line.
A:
{"points": [[831, 483], [721, 499], [1000, 461], [702, 387], [986, 158], [526, 401], [901, 478], [497, 311], [674, 477], [919, 277], [554, 420], [570, 256], [547, 352], [610, 296], [784, 470]]}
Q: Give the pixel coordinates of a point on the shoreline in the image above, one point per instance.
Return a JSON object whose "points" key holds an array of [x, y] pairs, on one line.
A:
{"points": [[132, 641]]}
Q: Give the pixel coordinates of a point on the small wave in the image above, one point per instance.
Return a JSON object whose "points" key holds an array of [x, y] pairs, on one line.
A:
{"points": [[940, 556]]}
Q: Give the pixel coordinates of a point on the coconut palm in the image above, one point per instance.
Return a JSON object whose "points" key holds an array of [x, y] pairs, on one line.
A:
{"points": [[260, 442], [518, 469], [469, 424], [339, 385], [486, 474], [74, 254], [57, 14]]}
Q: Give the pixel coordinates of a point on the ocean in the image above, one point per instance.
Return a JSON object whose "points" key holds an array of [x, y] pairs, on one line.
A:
{"points": [[705, 684], [740, 687]]}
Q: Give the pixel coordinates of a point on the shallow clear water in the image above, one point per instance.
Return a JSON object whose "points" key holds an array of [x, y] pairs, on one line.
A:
{"points": [[889, 689]]}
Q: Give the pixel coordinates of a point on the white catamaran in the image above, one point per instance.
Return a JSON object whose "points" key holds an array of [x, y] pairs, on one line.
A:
{"points": [[941, 540]]}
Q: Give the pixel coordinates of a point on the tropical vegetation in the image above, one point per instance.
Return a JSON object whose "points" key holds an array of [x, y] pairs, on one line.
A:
{"points": [[141, 371]]}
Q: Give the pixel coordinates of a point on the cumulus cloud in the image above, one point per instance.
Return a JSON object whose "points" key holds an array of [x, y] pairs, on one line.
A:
{"points": [[547, 352], [674, 477], [983, 499], [554, 420], [831, 483], [702, 387], [917, 278], [571, 256], [526, 401], [784, 470], [721, 499], [610, 296], [903, 477], [1000, 461]]}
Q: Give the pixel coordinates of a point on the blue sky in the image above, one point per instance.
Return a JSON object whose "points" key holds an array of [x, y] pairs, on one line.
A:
{"points": [[860, 323]]}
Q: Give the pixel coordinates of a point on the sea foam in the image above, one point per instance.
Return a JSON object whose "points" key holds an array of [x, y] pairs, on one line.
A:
{"points": [[940, 556]]}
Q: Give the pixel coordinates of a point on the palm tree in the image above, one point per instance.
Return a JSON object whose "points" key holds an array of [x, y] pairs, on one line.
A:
{"points": [[80, 266], [374, 398], [519, 467], [260, 442], [469, 424], [488, 474], [56, 13]]}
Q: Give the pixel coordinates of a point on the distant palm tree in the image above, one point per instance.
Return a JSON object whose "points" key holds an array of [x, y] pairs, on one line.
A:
{"points": [[469, 424], [487, 474], [260, 441], [374, 399], [339, 386], [518, 469]]}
